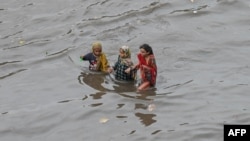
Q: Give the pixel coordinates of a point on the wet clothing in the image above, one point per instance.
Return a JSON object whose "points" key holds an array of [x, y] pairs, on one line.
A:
{"points": [[96, 63], [120, 66], [147, 74]]}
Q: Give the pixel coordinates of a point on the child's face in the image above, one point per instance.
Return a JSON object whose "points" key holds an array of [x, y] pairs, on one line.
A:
{"points": [[143, 52], [97, 52], [122, 54]]}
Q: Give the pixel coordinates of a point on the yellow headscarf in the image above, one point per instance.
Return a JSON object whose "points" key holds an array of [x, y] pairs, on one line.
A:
{"points": [[96, 45], [102, 62]]}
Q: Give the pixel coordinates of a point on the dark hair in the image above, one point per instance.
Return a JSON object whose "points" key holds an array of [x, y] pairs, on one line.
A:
{"points": [[147, 48]]}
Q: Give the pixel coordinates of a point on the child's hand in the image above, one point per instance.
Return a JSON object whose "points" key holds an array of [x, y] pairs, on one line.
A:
{"points": [[110, 69], [128, 70], [81, 58], [145, 67]]}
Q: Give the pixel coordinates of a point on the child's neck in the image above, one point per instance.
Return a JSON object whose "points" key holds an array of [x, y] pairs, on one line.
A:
{"points": [[96, 55], [146, 57]]}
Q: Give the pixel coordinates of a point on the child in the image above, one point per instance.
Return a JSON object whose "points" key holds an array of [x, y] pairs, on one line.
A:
{"points": [[123, 63], [97, 59], [147, 66]]}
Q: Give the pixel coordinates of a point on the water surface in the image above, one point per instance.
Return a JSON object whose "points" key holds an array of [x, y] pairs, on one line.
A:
{"points": [[47, 93]]}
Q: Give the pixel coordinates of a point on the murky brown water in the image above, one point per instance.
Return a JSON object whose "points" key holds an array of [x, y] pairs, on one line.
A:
{"points": [[46, 92]]}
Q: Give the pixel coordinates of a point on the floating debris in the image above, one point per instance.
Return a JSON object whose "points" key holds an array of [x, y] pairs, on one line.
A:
{"points": [[21, 42], [103, 120], [151, 107]]}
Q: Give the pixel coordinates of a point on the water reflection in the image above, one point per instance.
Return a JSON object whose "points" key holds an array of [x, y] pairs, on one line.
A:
{"points": [[104, 84], [98, 95], [120, 106], [155, 132], [144, 95], [93, 80], [146, 119], [96, 104], [140, 106]]}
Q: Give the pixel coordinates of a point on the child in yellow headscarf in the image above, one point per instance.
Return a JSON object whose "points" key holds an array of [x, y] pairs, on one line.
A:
{"points": [[97, 59]]}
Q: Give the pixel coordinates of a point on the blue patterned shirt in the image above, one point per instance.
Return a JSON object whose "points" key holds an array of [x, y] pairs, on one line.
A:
{"points": [[120, 73]]}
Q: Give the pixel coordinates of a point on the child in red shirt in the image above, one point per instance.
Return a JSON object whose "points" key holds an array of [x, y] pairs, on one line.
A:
{"points": [[147, 66]]}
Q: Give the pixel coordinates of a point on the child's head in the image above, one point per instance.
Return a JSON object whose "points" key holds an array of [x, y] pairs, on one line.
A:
{"points": [[125, 52], [97, 48], [145, 50]]}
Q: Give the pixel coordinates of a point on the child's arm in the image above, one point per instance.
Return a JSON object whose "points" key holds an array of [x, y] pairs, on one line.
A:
{"points": [[82, 57], [152, 64], [112, 68], [131, 68], [86, 57]]}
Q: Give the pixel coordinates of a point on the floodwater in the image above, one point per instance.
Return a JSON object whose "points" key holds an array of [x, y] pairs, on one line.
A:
{"points": [[202, 49]]}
